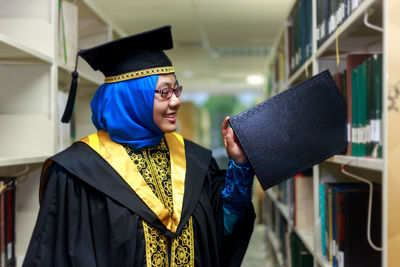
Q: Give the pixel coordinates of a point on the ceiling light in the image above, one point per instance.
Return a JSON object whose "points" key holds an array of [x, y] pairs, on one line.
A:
{"points": [[255, 79]]}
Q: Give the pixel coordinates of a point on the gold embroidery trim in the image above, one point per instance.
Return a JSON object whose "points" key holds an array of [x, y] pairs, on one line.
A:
{"points": [[115, 154], [156, 246], [154, 166], [182, 247], [139, 74], [182, 251]]}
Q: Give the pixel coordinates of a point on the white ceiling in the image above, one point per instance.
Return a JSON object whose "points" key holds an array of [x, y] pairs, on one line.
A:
{"points": [[217, 44]]}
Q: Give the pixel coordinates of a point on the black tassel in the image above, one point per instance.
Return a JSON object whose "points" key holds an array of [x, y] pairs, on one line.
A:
{"points": [[72, 94]]}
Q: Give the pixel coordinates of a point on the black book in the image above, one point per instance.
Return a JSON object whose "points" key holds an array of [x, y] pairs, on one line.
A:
{"points": [[294, 130], [357, 250]]}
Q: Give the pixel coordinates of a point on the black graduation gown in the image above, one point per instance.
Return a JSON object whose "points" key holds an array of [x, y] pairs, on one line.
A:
{"points": [[89, 216]]}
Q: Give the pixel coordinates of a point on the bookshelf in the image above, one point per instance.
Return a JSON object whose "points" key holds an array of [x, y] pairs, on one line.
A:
{"points": [[35, 75], [353, 36]]}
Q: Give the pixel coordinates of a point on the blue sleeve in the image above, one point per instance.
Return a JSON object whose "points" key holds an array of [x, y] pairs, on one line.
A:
{"points": [[237, 193]]}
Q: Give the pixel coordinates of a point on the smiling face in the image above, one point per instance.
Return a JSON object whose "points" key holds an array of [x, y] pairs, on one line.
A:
{"points": [[165, 110]]}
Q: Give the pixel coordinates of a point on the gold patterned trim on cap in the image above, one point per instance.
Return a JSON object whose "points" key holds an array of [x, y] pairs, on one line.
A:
{"points": [[139, 74]]}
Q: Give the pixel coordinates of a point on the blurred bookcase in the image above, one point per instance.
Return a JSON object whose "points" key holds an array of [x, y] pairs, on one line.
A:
{"points": [[38, 44], [329, 34]]}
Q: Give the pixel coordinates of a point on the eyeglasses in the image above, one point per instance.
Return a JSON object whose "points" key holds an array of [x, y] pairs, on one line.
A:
{"points": [[166, 93]]}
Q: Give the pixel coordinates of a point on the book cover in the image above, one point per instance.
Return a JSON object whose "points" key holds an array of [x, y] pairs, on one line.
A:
{"points": [[297, 129]]}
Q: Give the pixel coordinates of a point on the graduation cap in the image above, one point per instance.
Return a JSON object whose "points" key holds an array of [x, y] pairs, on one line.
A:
{"points": [[124, 59], [294, 130]]}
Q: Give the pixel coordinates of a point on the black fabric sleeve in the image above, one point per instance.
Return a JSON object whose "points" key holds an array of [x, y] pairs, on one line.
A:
{"points": [[233, 246], [62, 234]]}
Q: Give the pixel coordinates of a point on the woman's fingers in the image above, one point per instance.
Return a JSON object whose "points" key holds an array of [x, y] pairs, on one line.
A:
{"points": [[224, 126]]}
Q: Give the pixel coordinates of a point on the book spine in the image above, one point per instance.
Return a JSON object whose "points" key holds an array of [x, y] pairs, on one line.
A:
{"points": [[355, 122], [362, 109], [323, 218], [330, 226]]}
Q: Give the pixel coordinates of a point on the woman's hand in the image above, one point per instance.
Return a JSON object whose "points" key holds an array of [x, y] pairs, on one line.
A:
{"points": [[231, 143]]}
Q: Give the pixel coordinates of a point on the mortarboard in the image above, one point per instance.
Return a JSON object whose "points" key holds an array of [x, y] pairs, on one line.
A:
{"points": [[294, 130], [127, 58]]}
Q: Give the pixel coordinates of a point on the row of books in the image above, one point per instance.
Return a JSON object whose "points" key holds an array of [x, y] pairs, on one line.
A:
{"points": [[344, 220], [361, 86], [299, 34], [7, 222], [331, 14], [297, 196]]}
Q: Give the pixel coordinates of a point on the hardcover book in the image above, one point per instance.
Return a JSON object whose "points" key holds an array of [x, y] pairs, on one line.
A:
{"points": [[294, 130]]}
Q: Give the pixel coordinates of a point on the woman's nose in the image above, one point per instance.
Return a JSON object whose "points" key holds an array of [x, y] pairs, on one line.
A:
{"points": [[174, 101]]}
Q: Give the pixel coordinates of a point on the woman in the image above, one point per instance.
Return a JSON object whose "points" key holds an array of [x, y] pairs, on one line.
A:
{"points": [[135, 193]]}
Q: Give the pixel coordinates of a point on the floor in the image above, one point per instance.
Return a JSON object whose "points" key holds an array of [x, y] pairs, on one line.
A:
{"points": [[257, 254]]}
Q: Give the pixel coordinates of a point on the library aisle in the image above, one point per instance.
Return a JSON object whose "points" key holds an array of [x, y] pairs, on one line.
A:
{"points": [[257, 254]]}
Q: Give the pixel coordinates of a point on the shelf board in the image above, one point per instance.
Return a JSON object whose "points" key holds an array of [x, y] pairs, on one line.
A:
{"points": [[88, 11], [276, 244], [272, 195], [361, 162], [11, 161], [299, 73], [356, 18], [322, 261], [65, 77], [11, 50], [282, 207], [307, 237]]}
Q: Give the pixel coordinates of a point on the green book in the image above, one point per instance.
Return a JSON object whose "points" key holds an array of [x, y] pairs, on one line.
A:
{"points": [[355, 114], [362, 109], [370, 103], [300, 256]]}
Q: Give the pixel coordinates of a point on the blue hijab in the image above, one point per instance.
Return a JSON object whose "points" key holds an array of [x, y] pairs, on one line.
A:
{"points": [[125, 111]]}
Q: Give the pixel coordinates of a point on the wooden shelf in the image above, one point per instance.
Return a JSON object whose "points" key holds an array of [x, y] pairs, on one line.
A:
{"points": [[85, 79], [282, 207], [11, 161], [361, 162], [307, 237], [300, 73], [322, 261], [11, 50], [276, 245]]}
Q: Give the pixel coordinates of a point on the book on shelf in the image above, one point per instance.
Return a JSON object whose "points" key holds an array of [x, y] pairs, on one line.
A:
{"points": [[7, 221], [300, 256], [303, 201], [331, 14], [363, 94], [299, 35], [346, 214], [322, 213]]}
